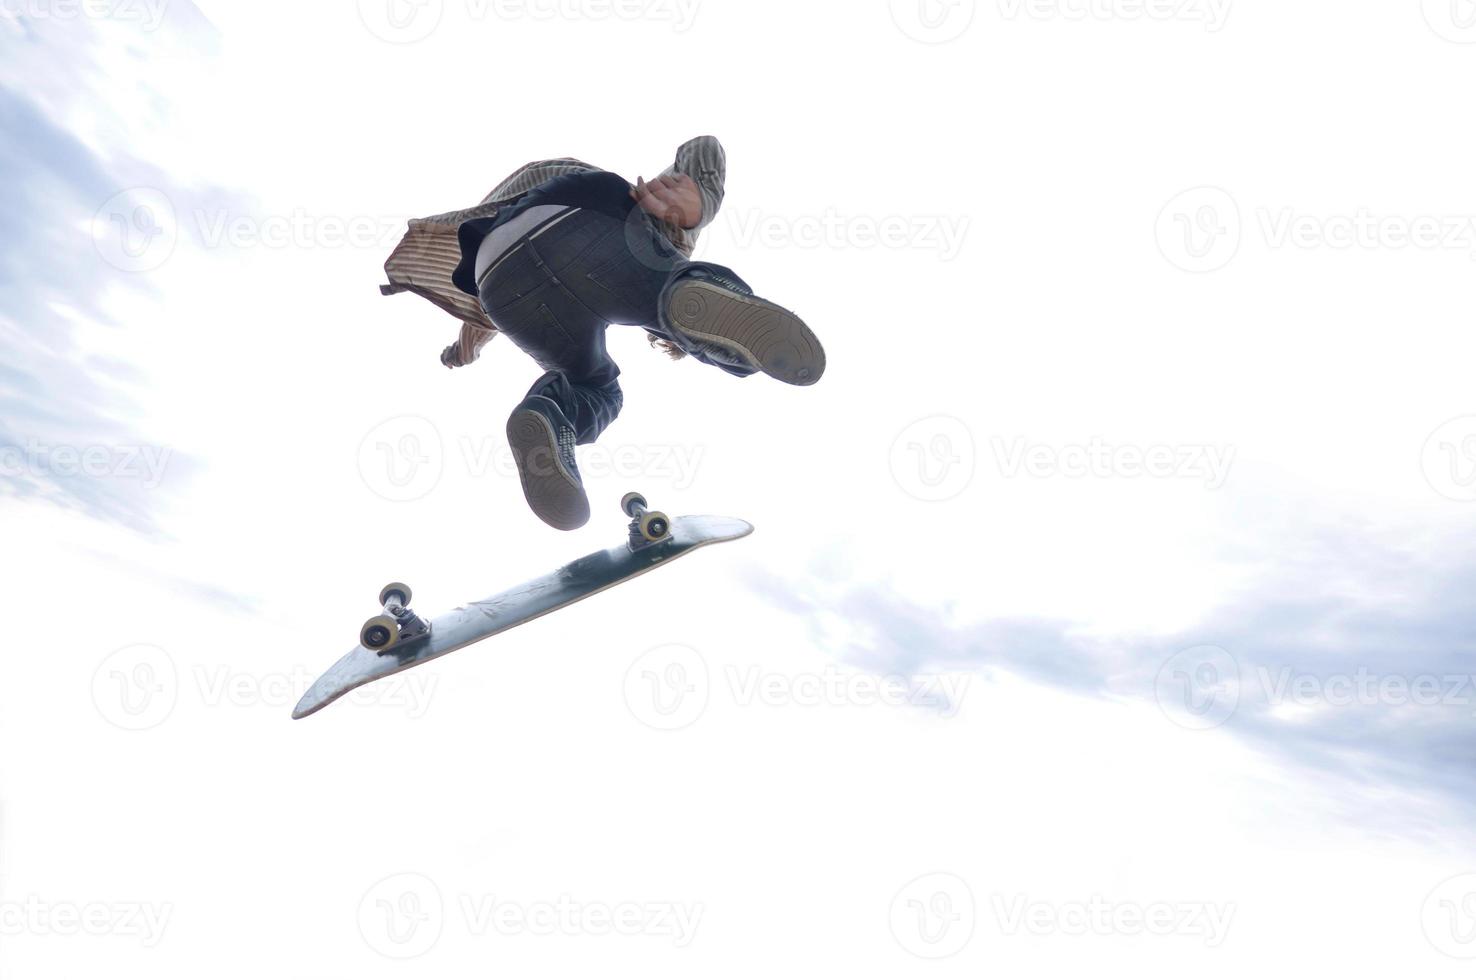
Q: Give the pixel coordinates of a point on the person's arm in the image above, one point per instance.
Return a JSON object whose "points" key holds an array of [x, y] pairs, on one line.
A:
{"points": [[468, 345]]}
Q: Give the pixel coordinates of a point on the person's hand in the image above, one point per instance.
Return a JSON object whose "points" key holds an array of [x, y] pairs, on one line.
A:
{"points": [[673, 199], [451, 356]]}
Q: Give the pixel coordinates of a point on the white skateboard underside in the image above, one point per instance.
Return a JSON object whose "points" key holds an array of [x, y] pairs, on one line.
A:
{"points": [[479, 620]]}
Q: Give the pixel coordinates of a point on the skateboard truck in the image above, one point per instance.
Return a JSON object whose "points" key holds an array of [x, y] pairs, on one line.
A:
{"points": [[646, 526], [654, 540], [397, 624]]}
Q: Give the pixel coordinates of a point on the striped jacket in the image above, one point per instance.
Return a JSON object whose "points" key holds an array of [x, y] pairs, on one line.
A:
{"points": [[428, 254]]}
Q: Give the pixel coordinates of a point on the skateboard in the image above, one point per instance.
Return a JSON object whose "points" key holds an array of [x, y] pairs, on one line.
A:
{"points": [[397, 639]]}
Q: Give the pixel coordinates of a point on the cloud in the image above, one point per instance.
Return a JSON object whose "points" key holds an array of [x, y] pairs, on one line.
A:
{"points": [[65, 128], [1354, 654]]}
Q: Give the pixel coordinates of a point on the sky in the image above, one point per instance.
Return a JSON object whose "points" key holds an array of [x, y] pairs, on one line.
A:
{"points": [[1108, 607]]}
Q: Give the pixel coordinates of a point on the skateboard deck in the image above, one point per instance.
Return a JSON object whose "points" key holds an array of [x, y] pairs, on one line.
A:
{"points": [[429, 639]]}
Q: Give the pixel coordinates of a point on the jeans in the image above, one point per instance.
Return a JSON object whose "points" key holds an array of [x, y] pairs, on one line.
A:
{"points": [[556, 291]]}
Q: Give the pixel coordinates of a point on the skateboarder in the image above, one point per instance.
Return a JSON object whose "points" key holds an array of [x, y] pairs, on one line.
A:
{"points": [[560, 251]]}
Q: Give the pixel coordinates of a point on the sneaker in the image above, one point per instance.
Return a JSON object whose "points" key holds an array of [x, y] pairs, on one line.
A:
{"points": [[707, 308], [542, 442]]}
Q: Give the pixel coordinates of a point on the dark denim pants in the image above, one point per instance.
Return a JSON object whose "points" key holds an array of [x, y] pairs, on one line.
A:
{"points": [[555, 292]]}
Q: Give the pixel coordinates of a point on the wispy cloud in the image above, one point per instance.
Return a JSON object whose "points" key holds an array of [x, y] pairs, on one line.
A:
{"points": [[68, 429], [1354, 654]]}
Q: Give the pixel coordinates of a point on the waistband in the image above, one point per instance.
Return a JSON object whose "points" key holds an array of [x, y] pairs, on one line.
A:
{"points": [[528, 224]]}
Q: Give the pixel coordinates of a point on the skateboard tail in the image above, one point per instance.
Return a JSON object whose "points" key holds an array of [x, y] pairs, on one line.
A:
{"points": [[323, 693], [312, 702]]}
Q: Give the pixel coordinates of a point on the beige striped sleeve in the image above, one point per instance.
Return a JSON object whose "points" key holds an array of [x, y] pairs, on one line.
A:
{"points": [[424, 259], [469, 343], [530, 175]]}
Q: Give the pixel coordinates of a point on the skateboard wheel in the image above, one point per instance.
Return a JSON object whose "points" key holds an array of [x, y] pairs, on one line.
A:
{"points": [[395, 589], [654, 525], [379, 633], [629, 502]]}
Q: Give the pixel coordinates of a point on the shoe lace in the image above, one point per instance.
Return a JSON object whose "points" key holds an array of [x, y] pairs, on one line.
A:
{"points": [[725, 282]]}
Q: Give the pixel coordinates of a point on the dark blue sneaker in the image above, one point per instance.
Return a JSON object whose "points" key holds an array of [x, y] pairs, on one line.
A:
{"points": [[710, 310], [542, 442]]}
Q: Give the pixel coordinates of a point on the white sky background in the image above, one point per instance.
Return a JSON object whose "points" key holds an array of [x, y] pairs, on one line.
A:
{"points": [[520, 770]]}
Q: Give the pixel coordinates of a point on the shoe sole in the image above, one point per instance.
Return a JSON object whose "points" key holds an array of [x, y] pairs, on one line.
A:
{"points": [[554, 495], [771, 338]]}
